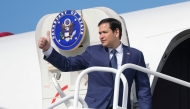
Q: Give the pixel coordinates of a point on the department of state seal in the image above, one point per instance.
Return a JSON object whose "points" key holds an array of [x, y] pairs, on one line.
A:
{"points": [[68, 30]]}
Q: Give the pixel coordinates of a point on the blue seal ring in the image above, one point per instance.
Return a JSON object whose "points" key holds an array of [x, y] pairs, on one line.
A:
{"points": [[68, 30]]}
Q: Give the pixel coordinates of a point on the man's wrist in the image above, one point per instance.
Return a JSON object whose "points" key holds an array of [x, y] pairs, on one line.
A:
{"points": [[48, 52]]}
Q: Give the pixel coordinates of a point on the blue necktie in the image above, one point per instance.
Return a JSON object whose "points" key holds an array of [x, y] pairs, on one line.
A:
{"points": [[114, 61], [113, 64]]}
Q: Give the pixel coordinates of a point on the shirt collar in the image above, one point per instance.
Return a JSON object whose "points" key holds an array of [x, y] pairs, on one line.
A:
{"points": [[119, 49]]}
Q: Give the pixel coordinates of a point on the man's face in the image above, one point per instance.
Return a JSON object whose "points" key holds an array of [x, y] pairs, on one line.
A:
{"points": [[107, 36]]}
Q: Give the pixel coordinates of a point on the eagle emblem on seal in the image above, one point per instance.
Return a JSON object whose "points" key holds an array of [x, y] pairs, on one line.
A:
{"points": [[67, 31]]}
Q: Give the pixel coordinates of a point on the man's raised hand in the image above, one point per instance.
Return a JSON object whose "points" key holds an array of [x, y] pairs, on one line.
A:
{"points": [[45, 42]]}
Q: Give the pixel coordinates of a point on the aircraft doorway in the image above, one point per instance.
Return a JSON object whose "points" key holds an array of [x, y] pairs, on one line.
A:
{"points": [[176, 63]]}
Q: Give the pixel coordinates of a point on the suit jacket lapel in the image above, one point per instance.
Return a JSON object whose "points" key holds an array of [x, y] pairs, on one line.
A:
{"points": [[105, 56], [106, 60], [126, 54]]}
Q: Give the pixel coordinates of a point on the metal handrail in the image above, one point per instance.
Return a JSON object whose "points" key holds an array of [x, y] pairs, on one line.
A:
{"points": [[76, 96], [145, 70], [105, 69]]}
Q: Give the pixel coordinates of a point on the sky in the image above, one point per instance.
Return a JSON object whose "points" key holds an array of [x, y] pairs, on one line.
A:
{"points": [[19, 16]]}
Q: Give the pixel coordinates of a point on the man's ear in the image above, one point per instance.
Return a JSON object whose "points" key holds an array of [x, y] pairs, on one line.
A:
{"points": [[116, 32]]}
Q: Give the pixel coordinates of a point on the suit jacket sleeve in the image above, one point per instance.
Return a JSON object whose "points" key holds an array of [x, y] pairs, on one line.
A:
{"points": [[143, 91], [63, 63]]}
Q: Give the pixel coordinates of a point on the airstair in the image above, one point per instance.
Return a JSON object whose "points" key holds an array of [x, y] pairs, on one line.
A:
{"points": [[65, 99]]}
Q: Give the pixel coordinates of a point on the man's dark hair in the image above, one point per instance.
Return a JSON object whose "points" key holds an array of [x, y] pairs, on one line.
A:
{"points": [[114, 24]]}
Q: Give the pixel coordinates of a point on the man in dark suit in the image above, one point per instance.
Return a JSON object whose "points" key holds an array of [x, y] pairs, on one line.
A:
{"points": [[101, 85]]}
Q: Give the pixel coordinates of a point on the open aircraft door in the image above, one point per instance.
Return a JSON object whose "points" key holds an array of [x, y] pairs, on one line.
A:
{"points": [[175, 62]]}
